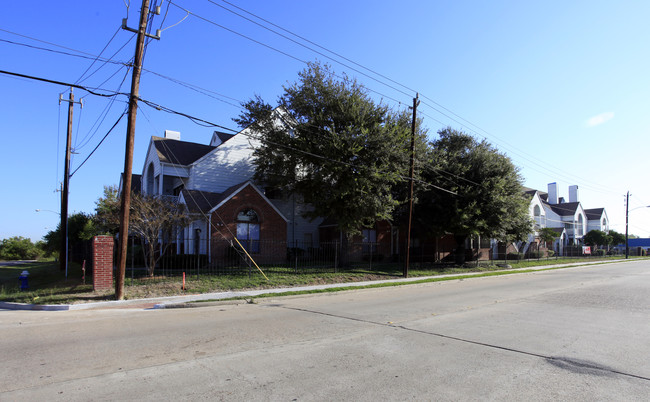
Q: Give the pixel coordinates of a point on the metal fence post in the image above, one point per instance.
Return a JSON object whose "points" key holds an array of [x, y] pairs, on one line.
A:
{"points": [[336, 254]]}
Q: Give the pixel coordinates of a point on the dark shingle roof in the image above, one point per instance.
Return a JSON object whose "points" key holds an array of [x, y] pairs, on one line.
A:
{"points": [[223, 136], [565, 208], [136, 183], [202, 202], [179, 152], [594, 213]]}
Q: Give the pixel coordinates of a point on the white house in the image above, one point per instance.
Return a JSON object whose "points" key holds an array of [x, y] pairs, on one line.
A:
{"points": [[200, 175], [568, 219]]}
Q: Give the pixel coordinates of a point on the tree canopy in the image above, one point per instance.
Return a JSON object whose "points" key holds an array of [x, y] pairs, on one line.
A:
{"points": [[617, 238], [81, 227], [335, 148], [472, 190], [596, 238], [19, 248]]}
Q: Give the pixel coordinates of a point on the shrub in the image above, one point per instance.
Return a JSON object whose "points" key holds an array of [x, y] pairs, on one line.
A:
{"points": [[19, 248], [551, 253], [374, 257], [536, 254], [515, 256], [600, 252]]}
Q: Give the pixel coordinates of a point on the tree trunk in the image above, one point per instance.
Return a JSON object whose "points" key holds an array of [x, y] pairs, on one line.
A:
{"points": [[344, 260], [460, 249], [152, 258]]}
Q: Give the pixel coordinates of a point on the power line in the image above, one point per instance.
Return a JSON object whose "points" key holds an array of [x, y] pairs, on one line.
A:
{"points": [[513, 149], [98, 56], [321, 47], [100, 143], [309, 48], [91, 57], [67, 84], [88, 137]]}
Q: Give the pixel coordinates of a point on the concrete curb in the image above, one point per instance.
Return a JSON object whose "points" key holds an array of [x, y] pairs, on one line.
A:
{"points": [[187, 301]]}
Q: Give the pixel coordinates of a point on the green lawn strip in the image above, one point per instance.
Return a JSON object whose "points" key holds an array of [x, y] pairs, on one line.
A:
{"points": [[389, 284], [47, 283]]}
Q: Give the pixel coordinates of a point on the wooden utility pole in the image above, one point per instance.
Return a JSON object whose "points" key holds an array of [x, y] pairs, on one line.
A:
{"points": [[63, 253], [416, 102], [128, 156]]}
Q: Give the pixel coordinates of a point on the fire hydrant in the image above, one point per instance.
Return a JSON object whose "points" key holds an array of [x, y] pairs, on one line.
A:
{"points": [[24, 285]]}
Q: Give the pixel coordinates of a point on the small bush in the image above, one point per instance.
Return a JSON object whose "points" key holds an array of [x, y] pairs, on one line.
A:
{"points": [[515, 256], [600, 252], [373, 257], [536, 254], [551, 253]]}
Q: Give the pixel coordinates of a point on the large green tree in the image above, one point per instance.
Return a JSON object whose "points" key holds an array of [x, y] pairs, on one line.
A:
{"points": [[617, 238], [81, 227], [333, 146], [471, 189], [596, 238], [107, 211]]}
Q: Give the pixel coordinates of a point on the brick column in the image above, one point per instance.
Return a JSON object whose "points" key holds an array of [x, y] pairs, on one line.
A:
{"points": [[102, 262]]}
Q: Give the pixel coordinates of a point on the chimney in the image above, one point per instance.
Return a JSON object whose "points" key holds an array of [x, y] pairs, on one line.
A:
{"points": [[173, 135], [552, 193], [573, 193]]}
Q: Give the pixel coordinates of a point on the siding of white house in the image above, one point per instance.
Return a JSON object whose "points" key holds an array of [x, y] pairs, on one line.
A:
{"points": [[225, 166], [537, 212]]}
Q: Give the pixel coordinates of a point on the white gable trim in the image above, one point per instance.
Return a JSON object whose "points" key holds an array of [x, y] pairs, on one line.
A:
{"points": [[243, 186]]}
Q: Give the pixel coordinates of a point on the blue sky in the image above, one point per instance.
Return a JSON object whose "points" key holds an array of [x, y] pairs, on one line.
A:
{"points": [[560, 87]]}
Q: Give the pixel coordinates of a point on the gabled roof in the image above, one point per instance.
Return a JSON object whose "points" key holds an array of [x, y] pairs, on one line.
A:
{"points": [[204, 202], [223, 136], [328, 222], [565, 208], [594, 213], [179, 152], [136, 183], [200, 202]]}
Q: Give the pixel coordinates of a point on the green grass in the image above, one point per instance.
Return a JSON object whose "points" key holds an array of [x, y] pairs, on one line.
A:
{"points": [[48, 284]]}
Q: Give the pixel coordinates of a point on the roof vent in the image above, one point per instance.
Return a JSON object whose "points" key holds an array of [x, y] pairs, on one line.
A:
{"points": [[173, 135]]}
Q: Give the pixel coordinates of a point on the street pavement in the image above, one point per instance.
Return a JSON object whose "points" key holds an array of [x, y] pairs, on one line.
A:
{"points": [[570, 334]]}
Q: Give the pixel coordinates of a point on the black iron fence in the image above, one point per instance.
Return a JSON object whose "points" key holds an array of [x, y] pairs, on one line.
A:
{"points": [[221, 257]]}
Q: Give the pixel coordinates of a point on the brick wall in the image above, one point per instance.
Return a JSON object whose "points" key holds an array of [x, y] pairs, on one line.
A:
{"points": [[273, 228], [102, 250]]}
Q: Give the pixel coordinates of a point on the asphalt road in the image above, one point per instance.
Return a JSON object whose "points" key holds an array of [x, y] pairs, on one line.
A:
{"points": [[569, 334]]}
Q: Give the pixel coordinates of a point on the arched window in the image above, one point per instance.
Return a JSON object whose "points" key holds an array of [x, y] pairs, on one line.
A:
{"points": [[537, 211], [248, 230], [580, 228], [149, 180], [604, 224]]}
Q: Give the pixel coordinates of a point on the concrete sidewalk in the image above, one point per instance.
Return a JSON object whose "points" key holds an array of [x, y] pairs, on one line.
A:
{"points": [[181, 301]]}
